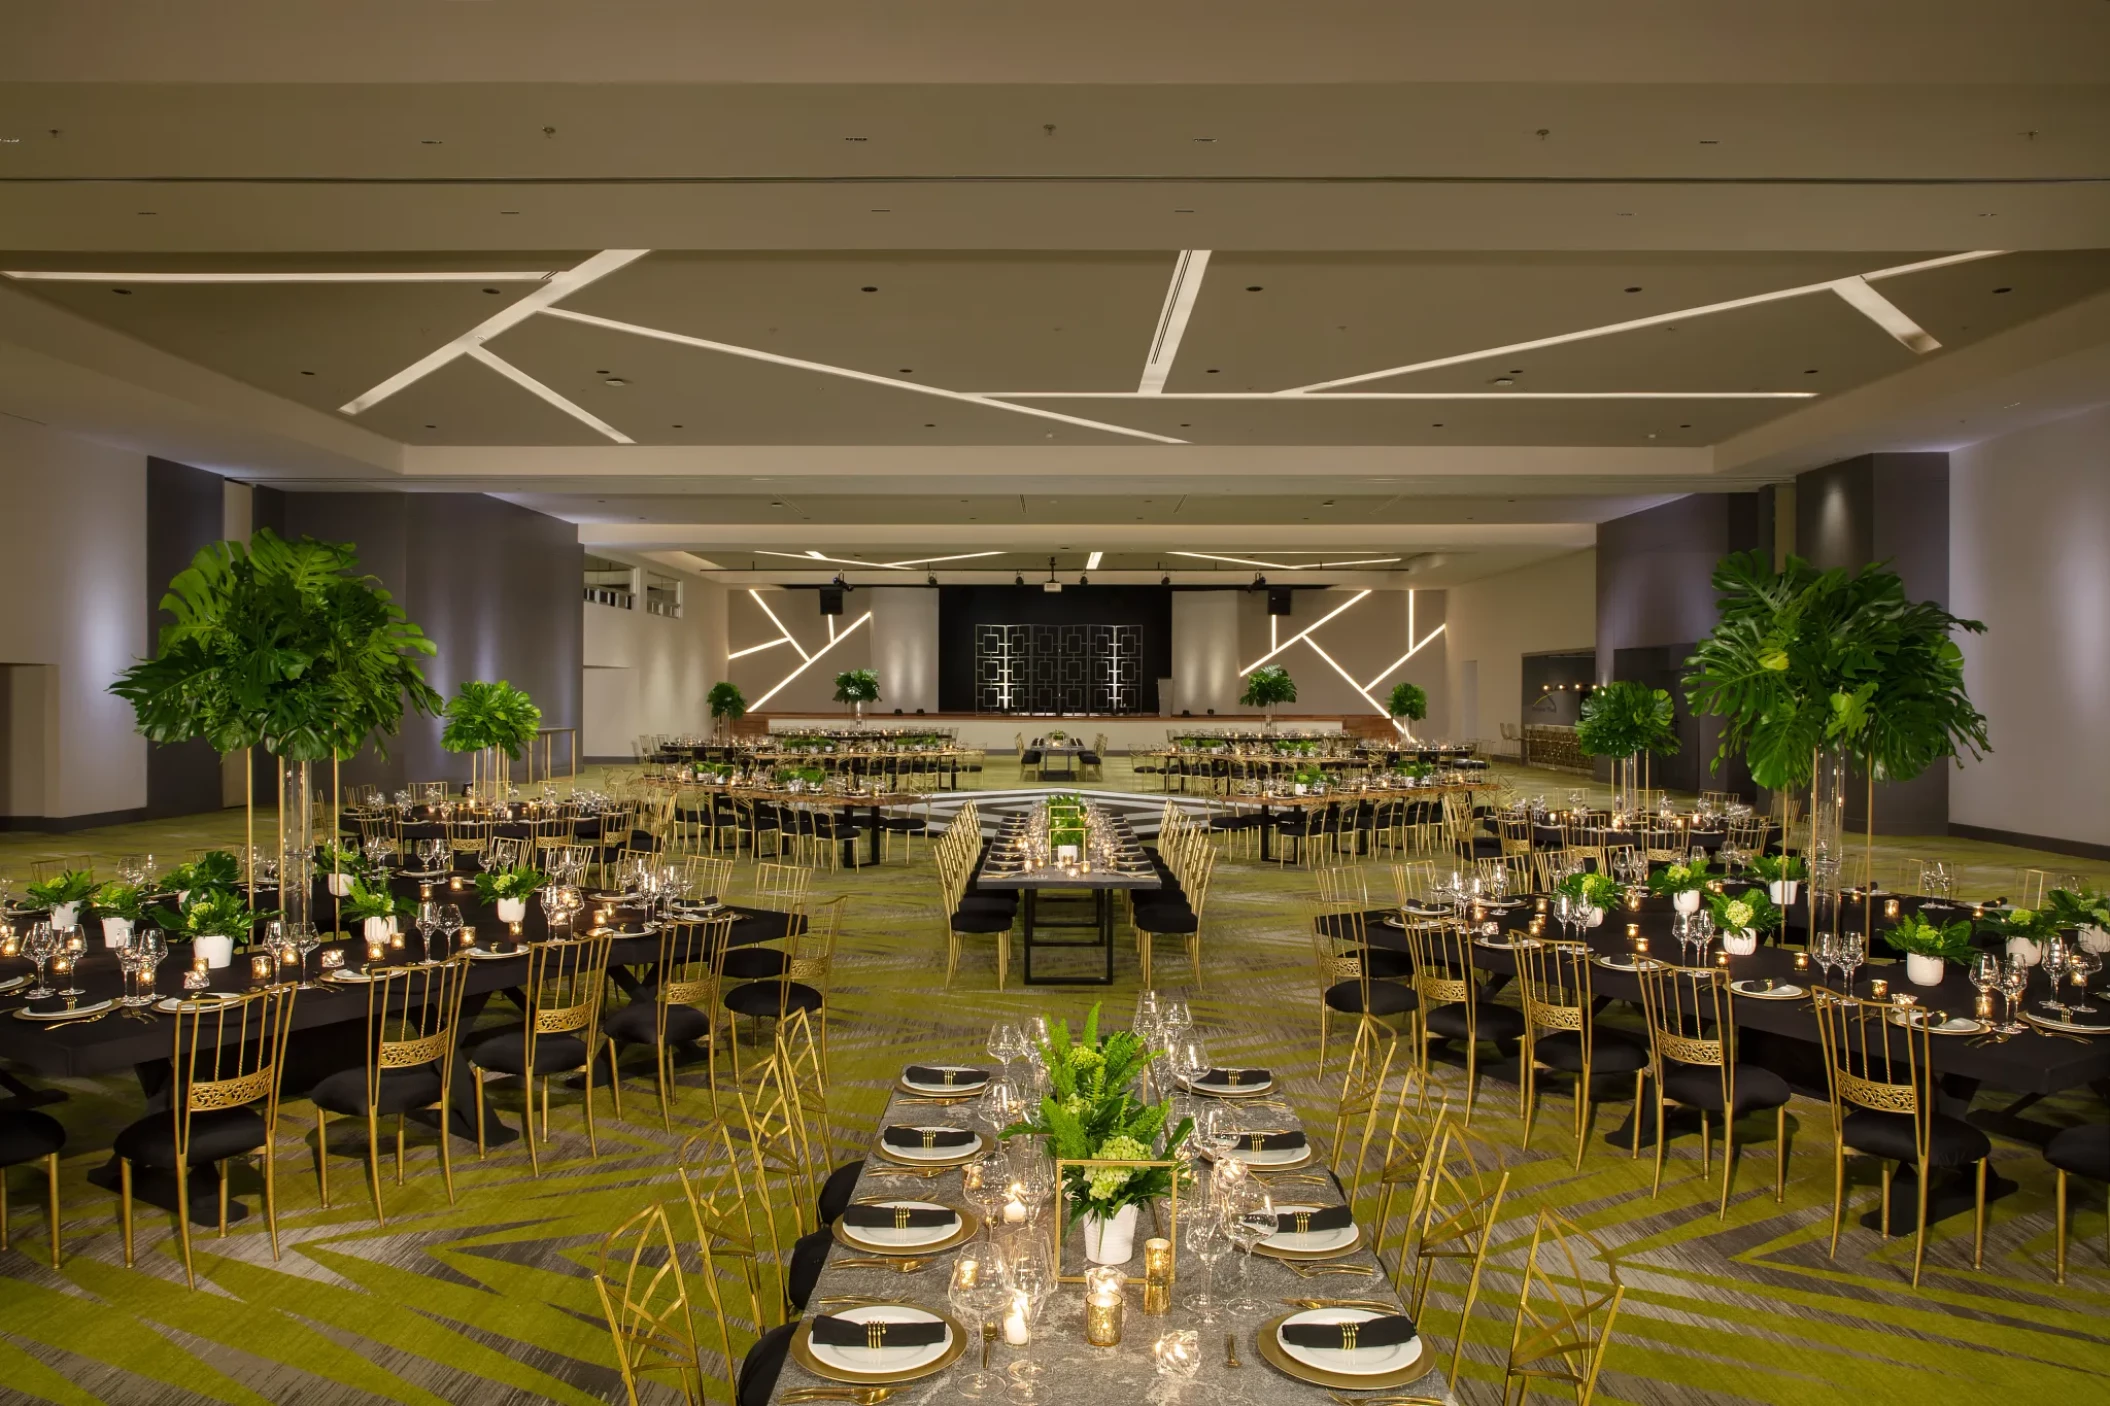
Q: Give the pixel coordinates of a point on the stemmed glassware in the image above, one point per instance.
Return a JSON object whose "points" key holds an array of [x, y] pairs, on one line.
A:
{"points": [[1853, 950], [428, 923], [1005, 1043], [1702, 929], [1824, 950], [2082, 964], [451, 925], [1030, 1277], [2014, 981], [993, 1189], [1249, 1217], [1985, 975], [1208, 1241], [977, 1294], [2055, 968], [305, 940]]}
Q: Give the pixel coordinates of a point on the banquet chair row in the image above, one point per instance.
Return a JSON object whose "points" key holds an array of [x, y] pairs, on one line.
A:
{"points": [[956, 855]]}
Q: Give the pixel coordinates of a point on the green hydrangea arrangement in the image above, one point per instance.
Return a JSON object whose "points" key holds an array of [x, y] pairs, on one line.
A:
{"points": [[1749, 911], [1679, 878], [1595, 890], [1915, 935]]}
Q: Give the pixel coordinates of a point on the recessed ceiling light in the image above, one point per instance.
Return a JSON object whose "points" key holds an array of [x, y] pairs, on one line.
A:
{"points": [[614, 381], [1252, 288], [432, 427], [674, 427], [1215, 370], [869, 288], [1505, 380], [1636, 288], [490, 290], [931, 425], [908, 371], [1811, 372], [1186, 425], [1437, 425], [122, 292], [1684, 427], [307, 373], [2003, 290]]}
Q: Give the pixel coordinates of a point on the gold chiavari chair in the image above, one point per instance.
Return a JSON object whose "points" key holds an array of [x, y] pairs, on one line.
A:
{"points": [[29, 1136], [412, 1015], [963, 920], [721, 1177], [559, 1034], [1565, 1313], [468, 836], [227, 1058], [1452, 1004], [1460, 1201], [809, 968], [43, 871], [1413, 881], [1153, 917], [1516, 835], [1693, 1064], [675, 1010], [1362, 1099], [1747, 836], [705, 876], [2027, 891], [784, 1179], [798, 1053], [1561, 1035], [1341, 954], [383, 829], [1882, 1099], [2079, 1151], [645, 1299]]}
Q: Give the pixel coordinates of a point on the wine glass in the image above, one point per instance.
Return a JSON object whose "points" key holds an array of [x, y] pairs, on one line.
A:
{"points": [[451, 925], [976, 1291], [2082, 964], [1702, 929], [305, 940], [1030, 1272], [2055, 968], [1035, 1030], [1005, 1043], [1208, 1241], [150, 946], [1985, 975], [2014, 981], [428, 922], [1824, 950], [1249, 1217], [1853, 950], [993, 1189]]}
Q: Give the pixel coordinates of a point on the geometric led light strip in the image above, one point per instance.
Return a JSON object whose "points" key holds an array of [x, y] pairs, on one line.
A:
{"points": [[361, 276], [1304, 636], [909, 565], [1285, 565], [1185, 287], [811, 659]]}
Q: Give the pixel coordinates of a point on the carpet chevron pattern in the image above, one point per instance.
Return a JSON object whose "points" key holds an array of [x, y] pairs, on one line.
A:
{"points": [[490, 1300]]}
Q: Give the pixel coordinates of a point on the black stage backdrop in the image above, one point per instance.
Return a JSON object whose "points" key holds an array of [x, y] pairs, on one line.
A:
{"points": [[961, 608]]}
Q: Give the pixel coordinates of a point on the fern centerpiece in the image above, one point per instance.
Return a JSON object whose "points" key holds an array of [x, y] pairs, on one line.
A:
{"points": [[494, 723], [1091, 1113]]}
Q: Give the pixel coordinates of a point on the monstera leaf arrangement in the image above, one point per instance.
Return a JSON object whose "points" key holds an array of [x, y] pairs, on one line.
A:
{"points": [[727, 703], [1625, 718], [482, 717], [1267, 686], [1409, 701]]}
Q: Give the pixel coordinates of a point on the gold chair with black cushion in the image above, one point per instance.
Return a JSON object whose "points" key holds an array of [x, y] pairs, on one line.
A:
{"points": [[1177, 915], [29, 1136], [223, 1103], [1561, 1034], [675, 1008], [809, 968], [1692, 1053], [1341, 952], [1453, 1005], [558, 1034], [2082, 1151], [412, 1014], [1882, 1096]]}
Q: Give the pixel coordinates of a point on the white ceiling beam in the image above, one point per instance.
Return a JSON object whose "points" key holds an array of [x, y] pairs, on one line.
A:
{"points": [[1186, 286], [522, 379], [1634, 324], [1885, 314], [318, 276], [799, 363], [560, 285]]}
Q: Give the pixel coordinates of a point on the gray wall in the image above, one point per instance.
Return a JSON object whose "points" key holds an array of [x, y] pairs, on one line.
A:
{"points": [[496, 588], [1895, 508], [184, 516]]}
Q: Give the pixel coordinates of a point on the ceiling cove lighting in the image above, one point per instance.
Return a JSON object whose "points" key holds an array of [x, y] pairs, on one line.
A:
{"points": [[317, 276], [521, 378], [1657, 320], [1886, 314], [1290, 565], [1414, 647], [1281, 396], [848, 630], [1185, 287], [916, 387], [559, 285], [908, 565], [758, 648]]}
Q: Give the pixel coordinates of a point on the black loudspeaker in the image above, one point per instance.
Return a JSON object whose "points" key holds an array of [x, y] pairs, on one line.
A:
{"points": [[831, 600], [1278, 600]]}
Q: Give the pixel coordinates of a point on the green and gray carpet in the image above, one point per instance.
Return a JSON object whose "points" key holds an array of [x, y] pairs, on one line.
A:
{"points": [[490, 1300]]}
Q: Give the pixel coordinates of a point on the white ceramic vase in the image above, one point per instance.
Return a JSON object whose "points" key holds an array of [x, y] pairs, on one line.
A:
{"points": [[512, 910], [2094, 939], [2024, 951], [378, 929], [65, 916], [1687, 902], [117, 932], [217, 949], [340, 884], [1592, 917], [1783, 891], [1111, 1241], [1923, 970], [1740, 942]]}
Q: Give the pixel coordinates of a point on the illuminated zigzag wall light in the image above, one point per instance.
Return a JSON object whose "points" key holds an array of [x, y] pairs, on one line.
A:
{"points": [[1305, 636]]}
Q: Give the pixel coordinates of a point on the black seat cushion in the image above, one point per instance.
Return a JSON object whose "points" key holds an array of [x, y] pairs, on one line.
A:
{"points": [[763, 1364], [1176, 918], [507, 1053], [1700, 1086], [760, 998], [967, 920], [1611, 1053], [755, 963], [1384, 964], [2083, 1151], [837, 1191], [215, 1134], [1006, 903], [1386, 998], [807, 1258], [638, 1022], [1951, 1142], [1493, 1021], [28, 1135], [400, 1091]]}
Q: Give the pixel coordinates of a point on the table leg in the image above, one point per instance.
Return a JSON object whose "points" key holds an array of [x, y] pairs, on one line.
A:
{"points": [[875, 834], [1105, 901], [1267, 833]]}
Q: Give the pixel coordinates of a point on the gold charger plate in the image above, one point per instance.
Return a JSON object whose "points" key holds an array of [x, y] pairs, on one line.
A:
{"points": [[1261, 1169], [802, 1353], [2062, 1027], [969, 1224], [887, 1154], [1268, 1342], [958, 1093], [1303, 1256]]}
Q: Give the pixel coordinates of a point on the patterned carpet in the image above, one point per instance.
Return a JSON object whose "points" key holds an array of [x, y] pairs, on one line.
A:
{"points": [[489, 1301]]}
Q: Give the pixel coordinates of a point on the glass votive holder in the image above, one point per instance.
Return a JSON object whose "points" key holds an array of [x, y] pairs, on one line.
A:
{"points": [[75, 941], [1633, 901], [1157, 1277], [1879, 989], [1633, 931], [1802, 961], [1985, 1005], [200, 966], [395, 939], [1103, 1305], [1178, 1354], [1721, 959], [375, 951], [260, 966], [332, 959], [454, 884], [1640, 947], [1890, 908], [1540, 906], [467, 938]]}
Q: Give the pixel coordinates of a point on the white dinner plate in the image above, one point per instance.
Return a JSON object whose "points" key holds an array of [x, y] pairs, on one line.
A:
{"points": [[1270, 1157], [12, 982], [1496, 944], [27, 1014], [1229, 1090], [959, 1153], [1778, 993], [1316, 1243], [203, 1001], [348, 976], [1363, 1362], [907, 1239], [1952, 1025], [943, 1089], [887, 1359], [2066, 1027], [484, 954]]}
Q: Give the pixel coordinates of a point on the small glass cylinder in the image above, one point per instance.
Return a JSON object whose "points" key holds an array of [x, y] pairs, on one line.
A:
{"points": [[1102, 1305], [455, 883], [1157, 1277], [260, 966], [1879, 989], [1802, 961]]}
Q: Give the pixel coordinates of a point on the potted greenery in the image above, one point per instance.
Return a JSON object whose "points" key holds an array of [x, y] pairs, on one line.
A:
{"points": [[508, 890], [120, 906], [213, 871], [1683, 884], [215, 920], [1307, 777], [1414, 771], [727, 704], [2086, 912], [857, 687], [1628, 722], [1741, 918], [2023, 931], [64, 896], [375, 909], [280, 645], [494, 723], [1267, 686], [1928, 947], [344, 864], [1595, 893], [1783, 875], [1090, 1113], [1409, 701]]}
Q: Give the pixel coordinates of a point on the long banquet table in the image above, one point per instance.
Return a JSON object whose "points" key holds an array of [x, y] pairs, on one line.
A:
{"points": [[1075, 1372]]}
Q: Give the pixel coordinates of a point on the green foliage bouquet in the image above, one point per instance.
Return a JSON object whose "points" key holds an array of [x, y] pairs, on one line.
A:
{"points": [[1914, 935], [1091, 1112], [1679, 878], [73, 886], [487, 715], [1594, 890], [857, 686], [1749, 911], [1409, 701], [1780, 868], [1266, 686], [1624, 718], [516, 882], [2083, 909], [219, 913]]}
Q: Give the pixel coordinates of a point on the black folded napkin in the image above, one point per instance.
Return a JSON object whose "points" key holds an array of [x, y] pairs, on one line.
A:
{"points": [[842, 1332], [1236, 1078], [950, 1078], [1268, 1142], [897, 1217], [1388, 1331], [1311, 1222], [927, 1137]]}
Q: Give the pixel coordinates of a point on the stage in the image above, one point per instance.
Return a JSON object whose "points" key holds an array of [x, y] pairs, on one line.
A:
{"points": [[1125, 733]]}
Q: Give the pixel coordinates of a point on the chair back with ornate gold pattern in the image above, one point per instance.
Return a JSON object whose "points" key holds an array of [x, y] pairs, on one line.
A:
{"points": [[412, 1014], [1690, 1020], [1516, 835], [468, 834], [229, 1054], [1443, 971], [1461, 1191], [645, 1299], [1553, 985], [1565, 1313], [1872, 1063], [566, 983]]}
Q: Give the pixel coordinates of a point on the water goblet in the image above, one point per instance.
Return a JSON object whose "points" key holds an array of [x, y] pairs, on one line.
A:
{"points": [[1031, 1276], [977, 1290], [1985, 975], [2055, 969], [2014, 981], [150, 945], [1004, 1043], [305, 939], [2082, 964], [1250, 1218], [1208, 1241], [451, 925], [428, 923]]}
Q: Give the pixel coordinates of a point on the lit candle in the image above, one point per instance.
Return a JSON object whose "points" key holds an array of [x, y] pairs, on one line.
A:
{"points": [[1879, 988], [1102, 1305], [1178, 1354], [198, 965], [1985, 1005], [260, 967], [375, 951], [468, 937], [1890, 908], [1721, 959], [455, 883], [1633, 931], [1641, 947], [1541, 906], [1157, 1261], [1017, 1331], [1015, 1205], [1802, 961]]}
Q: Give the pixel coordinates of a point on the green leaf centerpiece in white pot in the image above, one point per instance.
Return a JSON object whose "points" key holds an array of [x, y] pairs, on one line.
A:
{"points": [[215, 920], [1930, 947], [508, 890], [1684, 884], [64, 896], [1739, 918], [120, 906]]}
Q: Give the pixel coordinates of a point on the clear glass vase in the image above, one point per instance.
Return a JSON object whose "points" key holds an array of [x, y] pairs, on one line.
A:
{"points": [[296, 842], [1826, 854]]}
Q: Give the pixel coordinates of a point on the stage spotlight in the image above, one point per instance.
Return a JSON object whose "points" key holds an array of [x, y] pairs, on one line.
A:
{"points": [[1019, 579], [931, 580], [839, 583], [1083, 580], [1166, 579], [1259, 582]]}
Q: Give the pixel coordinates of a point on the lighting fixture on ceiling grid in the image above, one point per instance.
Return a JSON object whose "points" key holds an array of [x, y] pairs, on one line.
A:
{"points": [[1186, 286], [910, 564]]}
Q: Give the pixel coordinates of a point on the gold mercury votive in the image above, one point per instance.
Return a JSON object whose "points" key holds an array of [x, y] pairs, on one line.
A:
{"points": [[1102, 1305], [1879, 988], [1802, 961], [1157, 1277]]}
